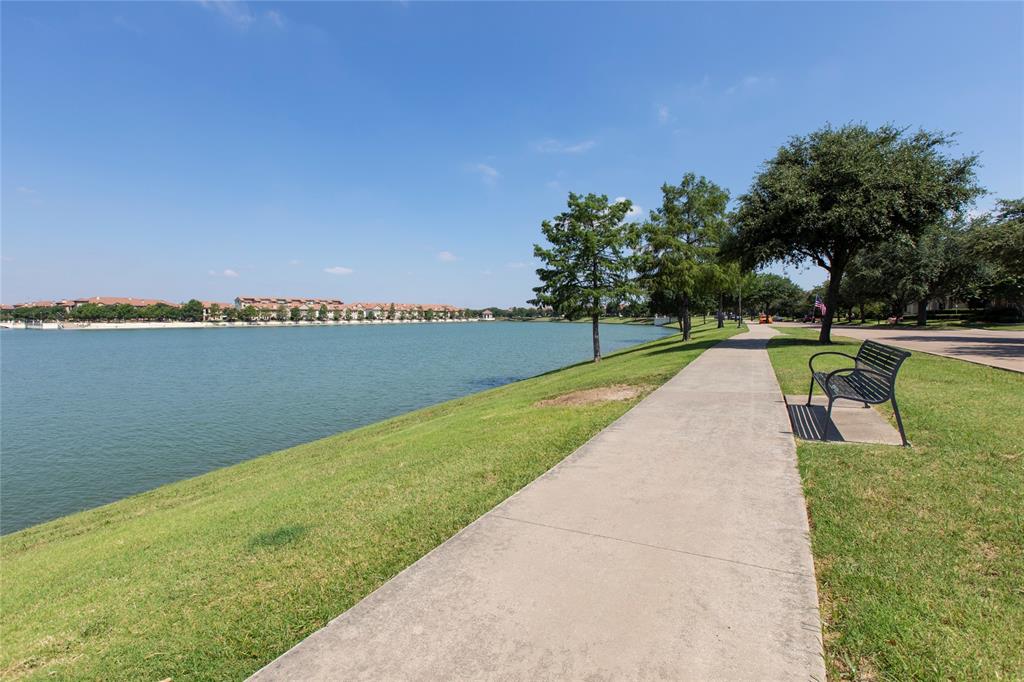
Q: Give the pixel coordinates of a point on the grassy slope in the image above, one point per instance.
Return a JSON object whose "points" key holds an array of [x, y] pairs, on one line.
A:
{"points": [[920, 552], [213, 577]]}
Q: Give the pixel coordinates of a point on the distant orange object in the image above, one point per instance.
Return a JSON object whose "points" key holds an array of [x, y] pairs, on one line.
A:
{"points": [[764, 319]]}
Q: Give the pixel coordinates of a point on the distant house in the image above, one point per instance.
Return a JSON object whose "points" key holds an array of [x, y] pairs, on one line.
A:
{"points": [[487, 315], [207, 317], [943, 303]]}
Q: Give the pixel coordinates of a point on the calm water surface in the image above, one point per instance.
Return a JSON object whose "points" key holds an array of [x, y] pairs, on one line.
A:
{"points": [[89, 417]]}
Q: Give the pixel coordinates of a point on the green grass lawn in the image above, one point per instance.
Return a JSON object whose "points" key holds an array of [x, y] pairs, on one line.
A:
{"points": [[213, 577], [919, 552]]}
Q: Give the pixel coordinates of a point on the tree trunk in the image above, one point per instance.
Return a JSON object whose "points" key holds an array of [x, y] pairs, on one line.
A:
{"points": [[862, 320], [831, 297], [705, 316], [595, 317], [922, 312], [720, 314], [685, 325]]}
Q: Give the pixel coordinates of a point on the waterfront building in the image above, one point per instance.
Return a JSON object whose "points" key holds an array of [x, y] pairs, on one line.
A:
{"points": [[207, 313], [278, 308], [71, 304]]}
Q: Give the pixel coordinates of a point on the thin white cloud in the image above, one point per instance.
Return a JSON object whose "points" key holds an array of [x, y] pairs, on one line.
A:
{"points": [[339, 270], [554, 146], [230, 273], [240, 15], [664, 115], [447, 257], [635, 211], [748, 83], [516, 265], [26, 190], [488, 174], [274, 17]]}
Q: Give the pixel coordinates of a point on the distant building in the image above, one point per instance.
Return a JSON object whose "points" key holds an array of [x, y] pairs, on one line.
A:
{"points": [[279, 308], [943, 303], [269, 307], [119, 300], [487, 315], [71, 304], [208, 315], [337, 309]]}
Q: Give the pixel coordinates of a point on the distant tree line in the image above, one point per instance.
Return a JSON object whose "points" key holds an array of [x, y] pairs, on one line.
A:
{"points": [[191, 311], [883, 211]]}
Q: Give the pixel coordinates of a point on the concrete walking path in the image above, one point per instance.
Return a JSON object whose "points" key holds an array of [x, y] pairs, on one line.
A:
{"points": [[673, 545], [996, 348]]}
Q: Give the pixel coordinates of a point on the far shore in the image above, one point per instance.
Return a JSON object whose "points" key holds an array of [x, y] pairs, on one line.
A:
{"points": [[108, 326]]}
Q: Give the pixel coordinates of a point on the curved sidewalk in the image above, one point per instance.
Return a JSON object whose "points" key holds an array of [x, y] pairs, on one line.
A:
{"points": [[673, 545]]}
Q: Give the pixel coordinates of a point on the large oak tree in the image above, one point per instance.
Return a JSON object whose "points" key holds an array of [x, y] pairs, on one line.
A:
{"points": [[828, 195]]}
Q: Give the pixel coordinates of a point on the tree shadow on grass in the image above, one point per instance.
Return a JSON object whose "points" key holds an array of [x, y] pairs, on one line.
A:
{"points": [[689, 346], [787, 341], [279, 537]]}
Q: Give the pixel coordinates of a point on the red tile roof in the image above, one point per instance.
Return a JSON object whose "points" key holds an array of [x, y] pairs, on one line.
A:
{"points": [[116, 300]]}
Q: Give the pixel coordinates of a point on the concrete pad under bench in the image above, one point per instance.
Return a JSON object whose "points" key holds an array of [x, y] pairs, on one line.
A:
{"points": [[851, 421]]}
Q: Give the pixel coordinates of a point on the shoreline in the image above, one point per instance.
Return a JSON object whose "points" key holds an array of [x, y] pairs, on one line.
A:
{"points": [[112, 326]]}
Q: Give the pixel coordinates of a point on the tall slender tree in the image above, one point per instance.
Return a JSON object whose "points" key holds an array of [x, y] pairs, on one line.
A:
{"points": [[589, 261], [827, 196], [678, 259]]}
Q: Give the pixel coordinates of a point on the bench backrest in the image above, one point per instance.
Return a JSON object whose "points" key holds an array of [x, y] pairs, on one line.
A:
{"points": [[881, 358]]}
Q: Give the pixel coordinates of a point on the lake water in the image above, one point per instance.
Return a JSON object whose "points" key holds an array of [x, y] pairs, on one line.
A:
{"points": [[89, 417]]}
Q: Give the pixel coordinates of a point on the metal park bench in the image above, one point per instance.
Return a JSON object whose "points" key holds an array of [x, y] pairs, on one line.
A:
{"points": [[872, 379]]}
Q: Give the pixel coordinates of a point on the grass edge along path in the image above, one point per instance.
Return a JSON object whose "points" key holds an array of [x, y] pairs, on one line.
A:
{"points": [[918, 551], [213, 577]]}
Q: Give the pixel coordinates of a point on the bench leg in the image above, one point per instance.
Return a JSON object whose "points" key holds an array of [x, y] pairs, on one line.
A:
{"points": [[810, 391], [899, 421], [828, 420]]}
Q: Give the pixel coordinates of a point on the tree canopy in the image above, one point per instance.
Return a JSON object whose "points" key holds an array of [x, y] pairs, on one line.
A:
{"points": [[678, 259], [996, 241], [828, 195], [589, 262]]}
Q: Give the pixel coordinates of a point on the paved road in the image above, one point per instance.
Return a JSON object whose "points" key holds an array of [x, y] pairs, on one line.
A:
{"points": [[673, 545], [1003, 349]]}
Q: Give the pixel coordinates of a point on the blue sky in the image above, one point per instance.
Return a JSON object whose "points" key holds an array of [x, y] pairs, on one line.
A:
{"points": [[409, 151]]}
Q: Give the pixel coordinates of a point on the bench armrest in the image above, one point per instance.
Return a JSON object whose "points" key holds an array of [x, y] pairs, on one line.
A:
{"points": [[810, 362]]}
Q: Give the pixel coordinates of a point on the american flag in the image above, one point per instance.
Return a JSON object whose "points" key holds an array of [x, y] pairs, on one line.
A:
{"points": [[818, 304]]}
